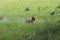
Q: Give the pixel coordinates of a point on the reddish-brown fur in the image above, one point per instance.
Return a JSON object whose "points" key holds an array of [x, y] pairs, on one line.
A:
{"points": [[30, 20]]}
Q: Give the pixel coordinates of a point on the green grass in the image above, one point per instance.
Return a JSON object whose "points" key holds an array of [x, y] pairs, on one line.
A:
{"points": [[14, 27]]}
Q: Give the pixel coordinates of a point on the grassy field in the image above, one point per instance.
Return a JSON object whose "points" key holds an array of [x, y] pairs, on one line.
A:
{"points": [[14, 27]]}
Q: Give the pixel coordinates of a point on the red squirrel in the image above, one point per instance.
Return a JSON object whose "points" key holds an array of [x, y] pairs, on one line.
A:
{"points": [[30, 20]]}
